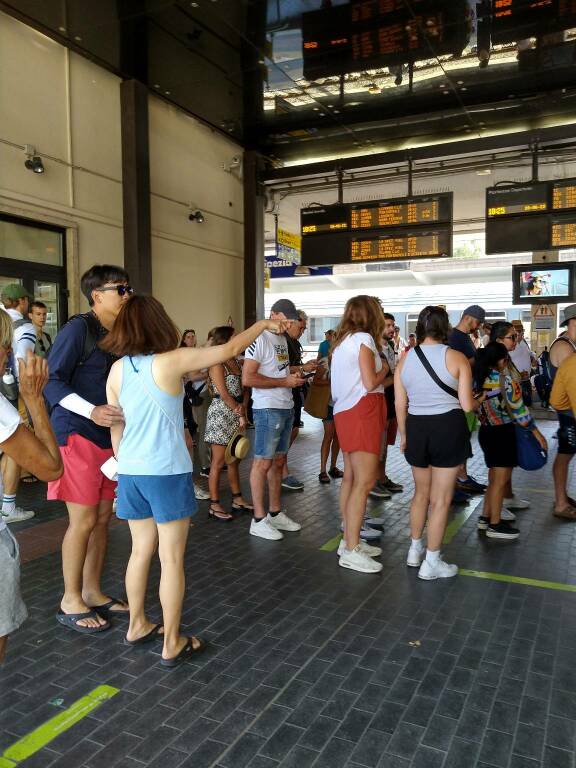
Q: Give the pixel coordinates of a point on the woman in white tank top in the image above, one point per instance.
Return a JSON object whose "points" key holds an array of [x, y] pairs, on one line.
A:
{"points": [[433, 386]]}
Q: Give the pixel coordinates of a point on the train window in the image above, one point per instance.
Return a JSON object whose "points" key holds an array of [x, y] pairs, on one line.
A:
{"points": [[317, 327], [411, 321]]}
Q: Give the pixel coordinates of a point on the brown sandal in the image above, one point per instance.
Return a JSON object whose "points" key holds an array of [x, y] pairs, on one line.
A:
{"points": [[568, 513]]}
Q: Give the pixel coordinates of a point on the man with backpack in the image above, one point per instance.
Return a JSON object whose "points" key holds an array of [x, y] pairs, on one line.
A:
{"points": [[16, 301], [81, 420]]}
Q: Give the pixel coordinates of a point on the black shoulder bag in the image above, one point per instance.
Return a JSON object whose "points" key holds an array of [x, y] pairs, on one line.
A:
{"points": [[433, 375]]}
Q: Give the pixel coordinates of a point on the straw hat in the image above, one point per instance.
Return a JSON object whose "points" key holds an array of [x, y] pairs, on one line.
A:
{"points": [[237, 448]]}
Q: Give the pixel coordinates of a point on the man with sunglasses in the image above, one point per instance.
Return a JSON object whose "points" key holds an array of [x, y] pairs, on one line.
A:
{"points": [[81, 420]]}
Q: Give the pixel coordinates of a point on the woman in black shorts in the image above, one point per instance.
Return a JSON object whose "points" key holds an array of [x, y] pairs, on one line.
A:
{"points": [[501, 410], [433, 386]]}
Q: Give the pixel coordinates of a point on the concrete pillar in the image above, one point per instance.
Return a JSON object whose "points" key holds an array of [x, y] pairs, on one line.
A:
{"points": [[544, 323]]}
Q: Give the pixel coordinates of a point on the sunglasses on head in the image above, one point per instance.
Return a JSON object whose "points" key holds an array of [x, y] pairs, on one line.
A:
{"points": [[121, 290]]}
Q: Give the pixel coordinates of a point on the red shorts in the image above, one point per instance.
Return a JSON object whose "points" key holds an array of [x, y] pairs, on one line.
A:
{"points": [[82, 481], [361, 428]]}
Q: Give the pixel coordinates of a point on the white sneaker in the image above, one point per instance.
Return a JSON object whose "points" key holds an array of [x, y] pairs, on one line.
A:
{"points": [[507, 516], [18, 515], [367, 549], [265, 530], [515, 503], [437, 570], [356, 560], [282, 522], [415, 556], [200, 493]]}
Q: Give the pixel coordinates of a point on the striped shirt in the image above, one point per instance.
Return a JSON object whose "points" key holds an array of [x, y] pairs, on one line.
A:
{"points": [[493, 411]]}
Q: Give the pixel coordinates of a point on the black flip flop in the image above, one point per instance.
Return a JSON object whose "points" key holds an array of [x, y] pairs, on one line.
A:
{"points": [[148, 638], [70, 620], [187, 652], [106, 611]]}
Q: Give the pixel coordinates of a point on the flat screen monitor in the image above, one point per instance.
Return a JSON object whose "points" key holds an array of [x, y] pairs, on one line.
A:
{"points": [[542, 283]]}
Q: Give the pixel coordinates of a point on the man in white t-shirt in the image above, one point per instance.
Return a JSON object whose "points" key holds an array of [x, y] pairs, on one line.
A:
{"points": [[267, 370], [523, 358]]}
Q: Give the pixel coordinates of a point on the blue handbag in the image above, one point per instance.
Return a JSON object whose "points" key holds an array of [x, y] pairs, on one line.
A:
{"points": [[531, 455]]}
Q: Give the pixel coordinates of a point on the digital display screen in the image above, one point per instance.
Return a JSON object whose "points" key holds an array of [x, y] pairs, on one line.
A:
{"points": [[330, 218], [563, 195], [516, 199], [399, 246], [520, 217], [514, 20], [543, 282], [564, 233], [346, 38], [394, 214]]}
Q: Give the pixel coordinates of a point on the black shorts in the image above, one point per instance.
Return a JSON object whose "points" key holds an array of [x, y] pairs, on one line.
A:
{"points": [[441, 440], [297, 396], [566, 434], [390, 402], [499, 445]]}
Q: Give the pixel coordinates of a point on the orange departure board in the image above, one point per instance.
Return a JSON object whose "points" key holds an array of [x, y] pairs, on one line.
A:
{"points": [[400, 246], [563, 195], [534, 216], [564, 233], [395, 214], [412, 227]]}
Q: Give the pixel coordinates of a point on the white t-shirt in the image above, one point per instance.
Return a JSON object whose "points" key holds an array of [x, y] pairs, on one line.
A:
{"points": [[271, 352], [24, 339], [521, 357], [347, 386]]}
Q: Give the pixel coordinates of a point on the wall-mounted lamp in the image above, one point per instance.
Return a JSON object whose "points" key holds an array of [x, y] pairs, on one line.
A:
{"points": [[33, 161], [196, 215]]}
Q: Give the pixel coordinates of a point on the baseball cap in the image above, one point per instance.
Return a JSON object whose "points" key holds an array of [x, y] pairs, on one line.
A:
{"points": [[569, 314], [14, 291], [287, 307], [478, 313]]}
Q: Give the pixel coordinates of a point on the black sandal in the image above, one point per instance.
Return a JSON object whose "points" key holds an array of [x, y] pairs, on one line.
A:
{"points": [[241, 507], [215, 513], [324, 478]]}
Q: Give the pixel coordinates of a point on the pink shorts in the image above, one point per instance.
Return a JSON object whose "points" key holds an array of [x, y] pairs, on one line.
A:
{"points": [[361, 428], [82, 481]]}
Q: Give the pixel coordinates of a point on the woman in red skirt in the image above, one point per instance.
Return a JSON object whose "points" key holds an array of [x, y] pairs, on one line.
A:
{"points": [[357, 377]]}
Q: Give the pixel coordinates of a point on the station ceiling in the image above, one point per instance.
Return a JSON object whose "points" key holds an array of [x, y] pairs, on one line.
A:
{"points": [[303, 80]]}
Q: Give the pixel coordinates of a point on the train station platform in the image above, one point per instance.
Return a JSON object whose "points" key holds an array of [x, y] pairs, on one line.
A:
{"points": [[310, 664]]}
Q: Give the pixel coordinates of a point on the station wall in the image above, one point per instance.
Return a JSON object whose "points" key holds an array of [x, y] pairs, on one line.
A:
{"points": [[69, 109]]}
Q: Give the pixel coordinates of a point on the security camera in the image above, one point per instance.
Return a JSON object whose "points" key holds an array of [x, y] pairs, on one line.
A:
{"points": [[196, 215]]}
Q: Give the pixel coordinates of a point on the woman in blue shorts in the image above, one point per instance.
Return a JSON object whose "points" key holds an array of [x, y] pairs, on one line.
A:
{"points": [[155, 489]]}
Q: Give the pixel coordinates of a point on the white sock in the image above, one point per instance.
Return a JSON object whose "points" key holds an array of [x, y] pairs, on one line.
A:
{"points": [[8, 503], [417, 544], [432, 557]]}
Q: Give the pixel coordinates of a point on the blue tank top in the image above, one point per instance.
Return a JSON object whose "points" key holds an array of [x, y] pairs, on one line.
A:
{"points": [[153, 440]]}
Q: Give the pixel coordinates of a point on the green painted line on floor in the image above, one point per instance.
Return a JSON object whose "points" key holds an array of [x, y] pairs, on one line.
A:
{"points": [[459, 519], [518, 580], [330, 546], [48, 731]]}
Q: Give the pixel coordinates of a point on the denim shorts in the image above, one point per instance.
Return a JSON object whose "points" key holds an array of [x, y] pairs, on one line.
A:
{"points": [[163, 497], [273, 427]]}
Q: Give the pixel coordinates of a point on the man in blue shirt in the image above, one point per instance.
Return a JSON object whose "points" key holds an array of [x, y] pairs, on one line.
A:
{"points": [[81, 420]]}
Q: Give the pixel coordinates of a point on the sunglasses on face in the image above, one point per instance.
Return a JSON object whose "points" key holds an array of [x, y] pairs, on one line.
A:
{"points": [[121, 290], [512, 337]]}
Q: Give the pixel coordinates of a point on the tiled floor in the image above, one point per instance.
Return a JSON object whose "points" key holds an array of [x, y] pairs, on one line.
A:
{"points": [[311, 664]]}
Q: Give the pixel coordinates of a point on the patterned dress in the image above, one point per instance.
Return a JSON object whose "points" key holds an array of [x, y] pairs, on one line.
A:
{"points": [[222, 422]]}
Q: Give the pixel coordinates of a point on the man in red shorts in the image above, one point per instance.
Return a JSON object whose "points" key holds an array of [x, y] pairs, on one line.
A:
{"points": [[81, 420]]}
